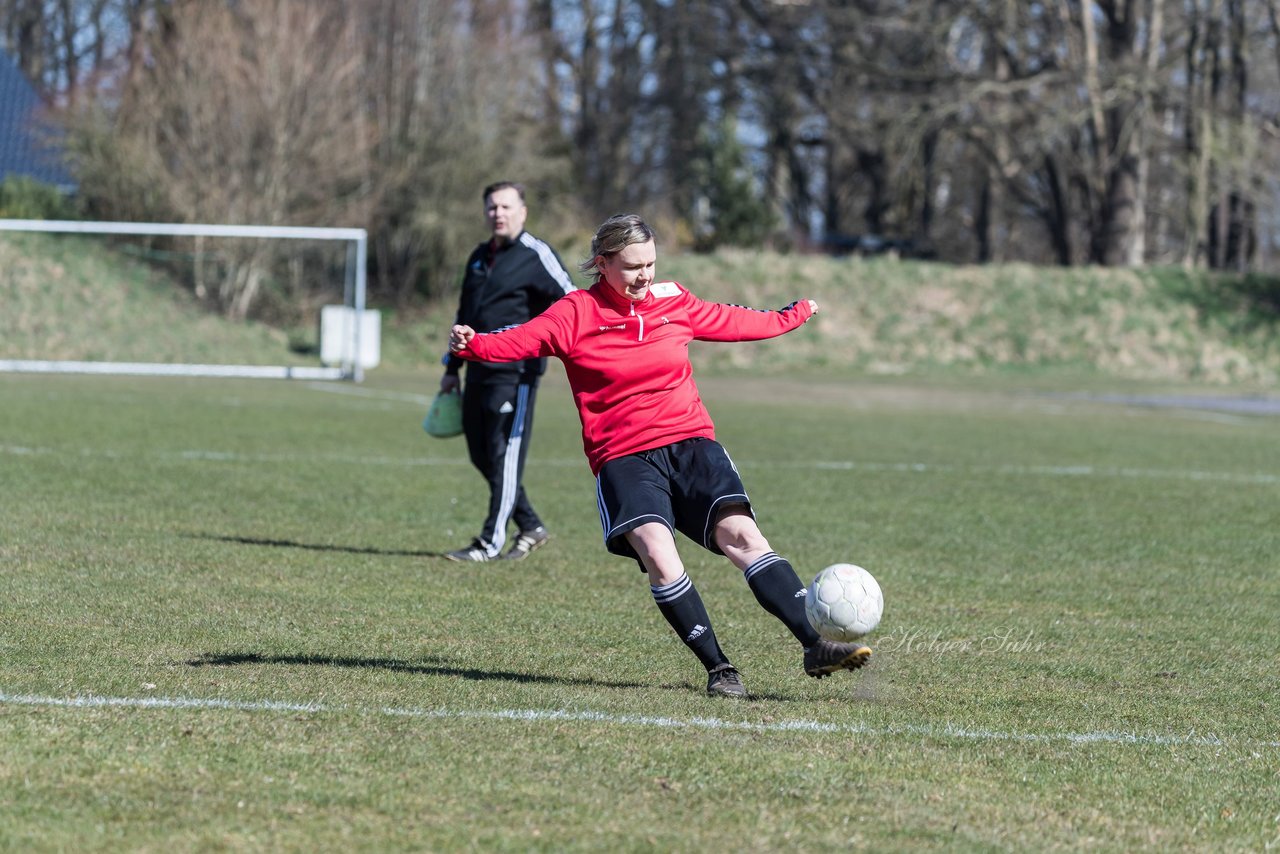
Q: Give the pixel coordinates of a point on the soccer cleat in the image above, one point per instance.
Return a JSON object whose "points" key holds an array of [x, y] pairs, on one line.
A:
{"points": [[725, 681], [826, 657], [474, 553], [526, 542]]}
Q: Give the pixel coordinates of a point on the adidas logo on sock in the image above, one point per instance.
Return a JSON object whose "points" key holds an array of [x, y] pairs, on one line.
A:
{"points": [[696, 633], [801, 593]]}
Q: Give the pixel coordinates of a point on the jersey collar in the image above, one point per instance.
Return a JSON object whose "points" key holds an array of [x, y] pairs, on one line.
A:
{"points": [[617, 301]]}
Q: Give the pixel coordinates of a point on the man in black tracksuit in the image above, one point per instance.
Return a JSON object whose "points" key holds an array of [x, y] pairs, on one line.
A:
{"points": [[510, 278]]}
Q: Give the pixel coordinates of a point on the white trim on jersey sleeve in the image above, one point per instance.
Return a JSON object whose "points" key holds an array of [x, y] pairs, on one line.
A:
{"points": [[549, 262]]}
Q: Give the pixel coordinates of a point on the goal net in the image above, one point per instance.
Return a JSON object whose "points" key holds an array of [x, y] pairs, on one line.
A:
{"points": [[145, 298]]}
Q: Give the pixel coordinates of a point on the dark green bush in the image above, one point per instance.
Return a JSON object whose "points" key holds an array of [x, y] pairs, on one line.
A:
{"points": [[27, 198]]}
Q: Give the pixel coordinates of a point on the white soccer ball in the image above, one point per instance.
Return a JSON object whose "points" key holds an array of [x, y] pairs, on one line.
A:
{"points": [[844, 602]]}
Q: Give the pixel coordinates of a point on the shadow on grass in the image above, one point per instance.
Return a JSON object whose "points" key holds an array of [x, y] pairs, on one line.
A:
{"points": [[235, 659], [316, 547]]}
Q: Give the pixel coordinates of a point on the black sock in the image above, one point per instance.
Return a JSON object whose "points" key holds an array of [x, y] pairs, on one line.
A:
{"points": [[680, 603], [781, 592]]}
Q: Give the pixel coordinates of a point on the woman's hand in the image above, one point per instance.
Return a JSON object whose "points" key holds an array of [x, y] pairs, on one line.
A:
{"points": [[459, 337]]}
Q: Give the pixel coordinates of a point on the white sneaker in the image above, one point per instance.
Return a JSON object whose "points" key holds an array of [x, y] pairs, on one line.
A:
{"points": [[475, 553], [526, 542]]}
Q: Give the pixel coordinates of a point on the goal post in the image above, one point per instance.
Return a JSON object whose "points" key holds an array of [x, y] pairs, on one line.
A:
{"points": [[353, 351]]}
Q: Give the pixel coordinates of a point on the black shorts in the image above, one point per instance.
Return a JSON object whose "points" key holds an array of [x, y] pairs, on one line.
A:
{"points": [[683, 486]]}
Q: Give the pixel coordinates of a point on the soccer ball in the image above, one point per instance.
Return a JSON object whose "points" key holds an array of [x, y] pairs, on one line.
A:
{"points": [[844, 602]]}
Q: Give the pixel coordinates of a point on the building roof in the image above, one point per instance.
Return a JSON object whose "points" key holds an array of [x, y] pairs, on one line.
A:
{"points": [[28, 147]]}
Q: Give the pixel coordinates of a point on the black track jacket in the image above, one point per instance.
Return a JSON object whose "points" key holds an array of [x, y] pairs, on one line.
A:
{"points": [[506, 287]]}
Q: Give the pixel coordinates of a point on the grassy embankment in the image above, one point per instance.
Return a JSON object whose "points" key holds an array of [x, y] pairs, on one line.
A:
{"points": [[65, 299]]}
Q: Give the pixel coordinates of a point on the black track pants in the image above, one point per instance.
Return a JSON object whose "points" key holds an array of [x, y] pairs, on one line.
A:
{"points": [[497, 418]]}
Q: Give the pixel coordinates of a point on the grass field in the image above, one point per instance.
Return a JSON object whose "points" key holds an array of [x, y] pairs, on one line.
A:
{"points": [[226, 626]]}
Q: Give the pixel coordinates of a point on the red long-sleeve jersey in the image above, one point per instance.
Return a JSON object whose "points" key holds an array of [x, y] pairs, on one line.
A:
{"points": [[628, 362]]}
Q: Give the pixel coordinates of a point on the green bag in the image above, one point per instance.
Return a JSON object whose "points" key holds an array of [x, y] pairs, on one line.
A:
{"points": [[444, 418]]}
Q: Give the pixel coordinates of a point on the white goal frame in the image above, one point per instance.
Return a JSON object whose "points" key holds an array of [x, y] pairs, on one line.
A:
{"points": [[354, 296]]}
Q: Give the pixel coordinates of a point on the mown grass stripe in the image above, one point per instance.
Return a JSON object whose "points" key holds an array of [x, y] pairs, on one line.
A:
{"points": [[205, 455]]}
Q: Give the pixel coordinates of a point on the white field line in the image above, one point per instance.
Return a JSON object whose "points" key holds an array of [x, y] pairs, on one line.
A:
{"points": [[371, 393], [1050, 471], [945, 731], [204, 455]]}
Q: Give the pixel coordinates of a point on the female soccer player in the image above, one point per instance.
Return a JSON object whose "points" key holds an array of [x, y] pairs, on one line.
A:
{"points": [[650, 441]]}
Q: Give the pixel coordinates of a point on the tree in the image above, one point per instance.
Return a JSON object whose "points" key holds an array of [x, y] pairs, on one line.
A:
{"points": [[638, 86], [736, 213], [1068, 131], [245, 113], [460, 104]]}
